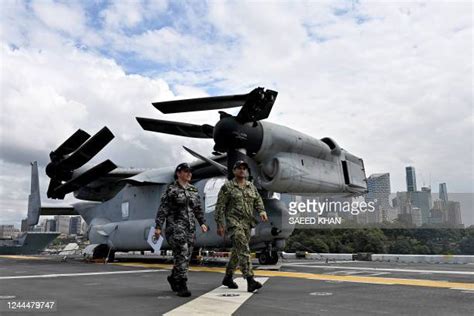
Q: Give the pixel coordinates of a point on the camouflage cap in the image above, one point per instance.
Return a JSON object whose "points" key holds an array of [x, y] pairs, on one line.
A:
{"points": [[182, 166], [239, 163]]}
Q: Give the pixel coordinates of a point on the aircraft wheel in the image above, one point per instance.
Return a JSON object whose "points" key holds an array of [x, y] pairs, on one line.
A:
{"points": [[100, 252], [267, 257], [274, 257]]}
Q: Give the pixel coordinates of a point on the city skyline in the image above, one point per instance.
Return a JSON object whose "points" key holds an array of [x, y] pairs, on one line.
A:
{"points": [[423, 203]]}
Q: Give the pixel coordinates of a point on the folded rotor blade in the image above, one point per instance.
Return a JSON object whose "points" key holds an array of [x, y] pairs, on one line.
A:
{"points": [[176, 128], [88, 150], [201, 104], [72, 143], [84, 179], [53, 184], [258, 105]]}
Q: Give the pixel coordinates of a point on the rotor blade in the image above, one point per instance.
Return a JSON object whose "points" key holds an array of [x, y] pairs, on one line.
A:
{"points": [[88, 150], [221, 168], [72, 143], [176, 128], [53, 184], [84, 179], [201, 104], [258, 105]]}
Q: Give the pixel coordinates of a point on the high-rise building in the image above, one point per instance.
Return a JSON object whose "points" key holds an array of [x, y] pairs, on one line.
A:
{"points": [[62, 224], [420, 199], [411, 179], [416, 216], [84, 228], [24, 225], [443, 192], [75, 225], [6, 231], [438, 214], [378, 186], [50, 225], [423, 200], [68, 225], [454, 214]]}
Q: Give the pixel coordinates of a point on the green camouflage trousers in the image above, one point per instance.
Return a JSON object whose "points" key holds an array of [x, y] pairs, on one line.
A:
{"points": [[240, 253], [181, 243]]}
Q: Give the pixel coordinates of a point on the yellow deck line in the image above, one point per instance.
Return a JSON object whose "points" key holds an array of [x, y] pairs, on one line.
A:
{"points": [[323, 277]]}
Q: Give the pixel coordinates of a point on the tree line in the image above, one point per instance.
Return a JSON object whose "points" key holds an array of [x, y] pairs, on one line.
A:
{"points": [[384, 240]]}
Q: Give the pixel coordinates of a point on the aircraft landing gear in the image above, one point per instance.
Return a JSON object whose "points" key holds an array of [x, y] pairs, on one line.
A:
{"points": [[98, 252], [196, 256], [268, 257], [110, 256]]}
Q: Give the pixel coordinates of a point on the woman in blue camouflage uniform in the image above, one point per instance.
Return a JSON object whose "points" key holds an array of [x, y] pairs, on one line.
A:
{"points": [[180, 206]]}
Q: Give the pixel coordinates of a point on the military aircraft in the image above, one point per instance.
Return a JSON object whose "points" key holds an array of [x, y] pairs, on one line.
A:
{"points": [[120, 204]]}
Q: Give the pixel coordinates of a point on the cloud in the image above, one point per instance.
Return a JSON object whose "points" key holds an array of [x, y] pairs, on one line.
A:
{"points": [[391, 83], [69, 18], [47, 95], [128, 14]]}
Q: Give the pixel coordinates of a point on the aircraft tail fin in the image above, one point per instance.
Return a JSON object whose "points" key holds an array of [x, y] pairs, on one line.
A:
{"points": [[34, 200]]}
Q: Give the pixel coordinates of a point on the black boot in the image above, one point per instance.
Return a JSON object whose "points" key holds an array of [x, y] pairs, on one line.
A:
{"points": [[172, 282], [229, 282], [252, 285], [183, 289]]}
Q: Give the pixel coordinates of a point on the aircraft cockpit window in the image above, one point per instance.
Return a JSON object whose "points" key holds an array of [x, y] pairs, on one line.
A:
{"points": [[211, 190]]}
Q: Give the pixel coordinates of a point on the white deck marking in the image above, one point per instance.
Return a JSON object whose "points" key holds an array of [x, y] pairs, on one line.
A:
{"points": [[319, 262], [381, 269], [214, 303], [377, 274], [77, 274]]}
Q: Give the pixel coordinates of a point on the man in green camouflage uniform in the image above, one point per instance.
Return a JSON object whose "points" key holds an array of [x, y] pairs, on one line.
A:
{"points": [[180, 205], [237, 201]]}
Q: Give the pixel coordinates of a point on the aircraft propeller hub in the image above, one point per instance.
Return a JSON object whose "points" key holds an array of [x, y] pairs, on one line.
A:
{"points": [[53, 171], [228, 133]]}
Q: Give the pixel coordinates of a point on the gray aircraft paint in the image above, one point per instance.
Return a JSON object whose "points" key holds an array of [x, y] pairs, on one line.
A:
{"points": [[107, 226], [122, 203], [288, 162]]}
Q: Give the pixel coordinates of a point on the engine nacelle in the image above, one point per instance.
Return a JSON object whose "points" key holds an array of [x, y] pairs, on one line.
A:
{"points": [[281, 139], [295, 173], [293, 162]]}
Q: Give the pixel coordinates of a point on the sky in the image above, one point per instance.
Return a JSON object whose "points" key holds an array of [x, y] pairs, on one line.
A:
{"points": [[391, 82]]}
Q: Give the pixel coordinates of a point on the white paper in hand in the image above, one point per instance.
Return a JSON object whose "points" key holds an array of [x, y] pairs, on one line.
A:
{"points": [[153, 241]]}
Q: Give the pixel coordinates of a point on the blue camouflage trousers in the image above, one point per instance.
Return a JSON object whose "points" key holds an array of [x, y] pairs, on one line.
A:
{"points": [[181, 243]]}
